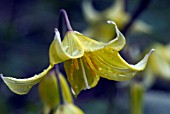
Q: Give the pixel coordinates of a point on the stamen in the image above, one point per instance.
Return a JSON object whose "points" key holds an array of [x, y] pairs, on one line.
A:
{"points": [[72, 70], [93, 73], [89, 63], [76, 65], [94, 64], [84, 74]]}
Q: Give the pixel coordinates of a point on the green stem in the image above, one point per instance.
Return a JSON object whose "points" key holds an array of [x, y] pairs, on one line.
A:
{"points": [[143, 5], [136, 95], [56, 70]]}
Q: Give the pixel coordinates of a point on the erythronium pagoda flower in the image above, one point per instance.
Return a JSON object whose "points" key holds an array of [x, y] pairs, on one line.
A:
{"points": [[116, 13], [85, 61]]}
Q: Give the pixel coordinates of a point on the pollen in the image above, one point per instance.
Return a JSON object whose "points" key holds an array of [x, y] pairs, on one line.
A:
{"points": [[94, 64], [76, 65], [72, 67], [90, 62]]}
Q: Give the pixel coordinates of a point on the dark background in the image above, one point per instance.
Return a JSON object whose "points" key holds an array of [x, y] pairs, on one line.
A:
{"points": [[26, 31]]}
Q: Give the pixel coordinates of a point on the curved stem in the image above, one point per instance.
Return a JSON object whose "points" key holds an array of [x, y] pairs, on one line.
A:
{"points": [[142, 6], [67, 22], [60, 25], [126, 5], [136, 96], [56, 70]]}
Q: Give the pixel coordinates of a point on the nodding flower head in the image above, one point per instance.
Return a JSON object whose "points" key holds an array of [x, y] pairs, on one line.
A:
{"points": [[86, 60]]}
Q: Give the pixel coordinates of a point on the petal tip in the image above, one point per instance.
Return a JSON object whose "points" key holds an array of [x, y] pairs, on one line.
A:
{"points": [[111, 22], [56, 32], [57, 35], [1, 75], [151, 51]]}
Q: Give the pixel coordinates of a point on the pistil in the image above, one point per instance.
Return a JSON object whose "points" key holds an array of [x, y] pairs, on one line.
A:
{"points": [[84, 74]]}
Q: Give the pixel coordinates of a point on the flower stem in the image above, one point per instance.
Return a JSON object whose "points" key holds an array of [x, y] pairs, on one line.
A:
{"points": [[63, 13], [143, 5], [126, 5], [56, 70], [136, 95]]}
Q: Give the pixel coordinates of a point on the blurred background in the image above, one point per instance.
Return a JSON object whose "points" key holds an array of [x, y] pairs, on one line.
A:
{"points": [[27, 30]]}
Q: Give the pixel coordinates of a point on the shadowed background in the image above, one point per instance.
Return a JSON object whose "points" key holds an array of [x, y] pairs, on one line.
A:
{"points": [[26, 31]]}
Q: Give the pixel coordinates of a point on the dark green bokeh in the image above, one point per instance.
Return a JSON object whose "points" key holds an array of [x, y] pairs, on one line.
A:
{"points": [[26, 31]]}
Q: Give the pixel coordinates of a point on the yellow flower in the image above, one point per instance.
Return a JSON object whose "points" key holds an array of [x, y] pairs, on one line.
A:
{"points": [[159, 63], [68, 109], [115, 13], [85, 60]]}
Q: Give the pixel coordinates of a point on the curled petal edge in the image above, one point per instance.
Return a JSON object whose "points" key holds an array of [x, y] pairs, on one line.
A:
{"points": [[23, 86]]}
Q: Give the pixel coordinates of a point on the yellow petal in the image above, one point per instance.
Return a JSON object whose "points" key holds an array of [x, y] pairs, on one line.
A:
{"points": [[65, 90], [101, 32], [117, 13], [112, 66], [49, 91], [22, 86], [160, 62], [80, 78], [140, 26], [89, 12], [68, 109], [91, 45], [70, 48], [148, 76]]}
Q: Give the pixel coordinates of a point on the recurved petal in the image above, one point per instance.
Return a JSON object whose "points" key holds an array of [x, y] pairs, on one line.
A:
{"points": [[112, 66], [22, 86], [69, 48], [80, 75], [92, 45]]}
